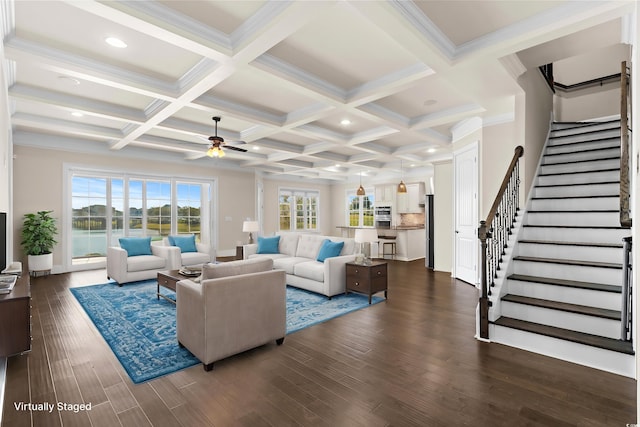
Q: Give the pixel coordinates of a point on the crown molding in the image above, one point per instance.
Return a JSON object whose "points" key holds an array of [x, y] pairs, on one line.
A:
{"points": [[465, 128], [420, 22]]}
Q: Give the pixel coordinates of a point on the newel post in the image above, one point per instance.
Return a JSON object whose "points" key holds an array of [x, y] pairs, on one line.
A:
{"points": [[483, 234]]}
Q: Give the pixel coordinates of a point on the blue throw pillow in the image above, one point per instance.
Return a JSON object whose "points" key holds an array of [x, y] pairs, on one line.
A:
{"points": [[329, 249], [268, 245], [185, 243], [136, 246]]}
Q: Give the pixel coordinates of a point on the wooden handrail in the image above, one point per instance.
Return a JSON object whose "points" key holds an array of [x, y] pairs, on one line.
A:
{"points": [[625, 184], [494, 208], [497, 228]]}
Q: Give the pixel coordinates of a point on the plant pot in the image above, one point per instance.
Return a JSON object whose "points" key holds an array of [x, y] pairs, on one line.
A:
{"points": [[40, 263]]}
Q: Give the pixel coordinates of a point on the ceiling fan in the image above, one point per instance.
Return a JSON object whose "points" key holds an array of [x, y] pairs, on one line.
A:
{"points": [[217, 143]]}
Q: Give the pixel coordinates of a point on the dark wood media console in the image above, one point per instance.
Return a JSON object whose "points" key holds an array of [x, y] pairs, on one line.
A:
{"points": [[15, 318]]}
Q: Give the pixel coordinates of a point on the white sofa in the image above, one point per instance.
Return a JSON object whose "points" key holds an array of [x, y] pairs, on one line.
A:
{"points": [[297, 253]]}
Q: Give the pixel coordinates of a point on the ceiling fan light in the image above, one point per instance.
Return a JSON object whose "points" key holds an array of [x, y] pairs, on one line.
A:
{"points": [[221, 153], [211, 151], [402, 188]]}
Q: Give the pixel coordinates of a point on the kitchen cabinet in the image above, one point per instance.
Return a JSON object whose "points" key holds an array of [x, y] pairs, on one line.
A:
{"points": [[385, 195], [410, 244], [410, 201]]}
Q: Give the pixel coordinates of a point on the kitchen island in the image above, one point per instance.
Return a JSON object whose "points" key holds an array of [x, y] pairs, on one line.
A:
{"points": [[410, 241]]}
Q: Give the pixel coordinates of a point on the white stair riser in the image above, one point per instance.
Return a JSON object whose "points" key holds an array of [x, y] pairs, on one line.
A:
{"points": [[585, 204], [606, 276], [578, 190], [581, 155], [562, 319], [582, 253], [582, 146], [588, 219], [579, 178], [579, 137], [598, 235], [568, 294], [606, 360], [581, 129]]}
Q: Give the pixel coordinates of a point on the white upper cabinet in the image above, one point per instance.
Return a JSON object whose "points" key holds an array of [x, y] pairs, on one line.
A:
{"points": [[385, 195], [410, 201]]}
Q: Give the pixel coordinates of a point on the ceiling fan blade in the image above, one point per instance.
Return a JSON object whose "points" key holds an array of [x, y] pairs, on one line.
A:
{"points": [[231, 147]]}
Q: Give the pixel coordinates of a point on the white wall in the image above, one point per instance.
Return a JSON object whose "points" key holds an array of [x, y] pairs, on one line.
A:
{"points": [[6, 158], [588, 104], [538, 105], [496, 152], [443, 216]]}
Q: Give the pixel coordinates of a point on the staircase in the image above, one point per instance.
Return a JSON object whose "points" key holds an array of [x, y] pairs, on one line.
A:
{"points": [[562, 296]]}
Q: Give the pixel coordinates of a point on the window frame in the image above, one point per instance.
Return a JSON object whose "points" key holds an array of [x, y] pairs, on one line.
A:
{"points": [[208, 207], [351, 194], [307, 212]]}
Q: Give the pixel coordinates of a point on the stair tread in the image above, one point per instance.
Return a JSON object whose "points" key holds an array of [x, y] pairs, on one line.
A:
{"points": [[606, 138], [564, 306], [591, 132], [574, 211], [555, 242], [577, 184], [582, 161], [566, 334], [589, 150], [585, 227], [579, 172], [569, 262], [599, 196], [567, 283]]}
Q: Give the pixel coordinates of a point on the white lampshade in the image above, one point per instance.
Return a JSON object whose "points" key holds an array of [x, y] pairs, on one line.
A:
{"points": [[250, 226], [366, 235]]}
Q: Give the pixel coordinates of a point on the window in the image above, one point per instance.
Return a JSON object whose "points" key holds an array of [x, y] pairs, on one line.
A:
{"points": [[104, 208], [298, 210], [360, 210]]}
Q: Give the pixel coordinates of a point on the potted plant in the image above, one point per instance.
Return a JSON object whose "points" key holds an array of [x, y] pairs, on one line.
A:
{"points": [[38, 238]]}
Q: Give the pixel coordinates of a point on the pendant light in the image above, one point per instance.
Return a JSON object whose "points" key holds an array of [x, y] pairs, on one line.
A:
{"points": [[361, 191], [402, 188]]}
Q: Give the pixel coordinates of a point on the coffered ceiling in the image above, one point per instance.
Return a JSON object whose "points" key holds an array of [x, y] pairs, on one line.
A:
{"points": [[282, 75]]}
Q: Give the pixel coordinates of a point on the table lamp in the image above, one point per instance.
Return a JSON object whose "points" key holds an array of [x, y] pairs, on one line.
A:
{"points": [[366, 236], [250, 227]]}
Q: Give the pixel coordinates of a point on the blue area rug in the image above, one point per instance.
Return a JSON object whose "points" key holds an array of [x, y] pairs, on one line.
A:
{"points": [[141, 330]]}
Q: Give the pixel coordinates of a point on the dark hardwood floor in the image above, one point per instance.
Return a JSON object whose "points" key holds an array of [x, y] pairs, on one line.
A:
{"points": [[409, 361]]}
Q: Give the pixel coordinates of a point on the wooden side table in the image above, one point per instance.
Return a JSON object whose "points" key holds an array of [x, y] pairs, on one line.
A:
{"points": [[367, 279], [239, 252]]}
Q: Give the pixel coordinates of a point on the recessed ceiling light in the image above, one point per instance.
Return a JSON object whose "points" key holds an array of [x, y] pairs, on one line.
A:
{"points": [[255, 147], [115, 42], [413, 165], [345, 122], [431, 150], [77, 114]]}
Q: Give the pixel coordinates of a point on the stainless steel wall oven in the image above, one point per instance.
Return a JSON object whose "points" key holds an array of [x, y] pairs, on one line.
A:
{"points": [[382, 216]]}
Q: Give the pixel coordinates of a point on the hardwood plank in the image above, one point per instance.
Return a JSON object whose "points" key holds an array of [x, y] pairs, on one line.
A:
{"points": [[153, 408], [411, 360]]}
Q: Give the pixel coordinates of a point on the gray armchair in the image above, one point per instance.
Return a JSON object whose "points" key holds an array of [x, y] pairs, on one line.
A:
{"points": [[241, 308]]}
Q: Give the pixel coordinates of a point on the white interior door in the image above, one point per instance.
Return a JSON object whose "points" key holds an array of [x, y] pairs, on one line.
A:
{"points": [[466, 214]]}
